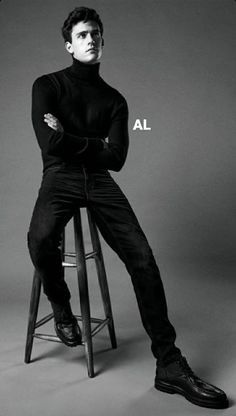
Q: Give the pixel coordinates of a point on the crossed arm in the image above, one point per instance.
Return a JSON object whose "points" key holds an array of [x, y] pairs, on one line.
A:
{"points": [[56, 125], [54, 140]]}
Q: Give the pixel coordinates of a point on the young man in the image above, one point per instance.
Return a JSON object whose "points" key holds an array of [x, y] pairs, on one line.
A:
{"points": [[81, 124]]}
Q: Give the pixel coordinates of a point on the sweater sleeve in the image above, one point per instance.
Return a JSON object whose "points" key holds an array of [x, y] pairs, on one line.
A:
{"points": [[44, 100], [114, 154]]}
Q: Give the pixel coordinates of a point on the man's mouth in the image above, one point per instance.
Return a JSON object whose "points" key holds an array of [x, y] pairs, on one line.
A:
{"points": [[92, 50]]}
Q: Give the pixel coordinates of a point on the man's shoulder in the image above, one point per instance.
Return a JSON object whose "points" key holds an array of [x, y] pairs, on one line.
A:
{"points": [[50, 78], [118, 102], [117, 95]]}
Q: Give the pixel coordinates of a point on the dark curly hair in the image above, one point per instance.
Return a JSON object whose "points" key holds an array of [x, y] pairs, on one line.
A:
{"points": [[79, 14]]}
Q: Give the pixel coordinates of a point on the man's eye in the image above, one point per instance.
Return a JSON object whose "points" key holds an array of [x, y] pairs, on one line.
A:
{"points": [[82, 36], [95, 34]]}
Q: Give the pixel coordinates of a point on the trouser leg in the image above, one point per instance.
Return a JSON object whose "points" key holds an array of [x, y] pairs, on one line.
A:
{"points": [[53, 209], [44, 239], [120, 228]]}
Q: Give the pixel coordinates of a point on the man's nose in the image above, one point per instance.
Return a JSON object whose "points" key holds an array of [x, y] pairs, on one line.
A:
{"points": [[90, 38]]}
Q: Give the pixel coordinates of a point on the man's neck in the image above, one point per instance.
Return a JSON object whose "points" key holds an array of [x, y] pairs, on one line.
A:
{"points": [[84, 71]]}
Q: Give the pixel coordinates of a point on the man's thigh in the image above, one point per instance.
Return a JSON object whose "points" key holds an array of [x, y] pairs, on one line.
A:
{"points": [[57, 199], [116, 220]]}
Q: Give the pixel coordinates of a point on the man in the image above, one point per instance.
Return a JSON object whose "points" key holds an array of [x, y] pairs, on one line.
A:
{"points": [[81, 124]]}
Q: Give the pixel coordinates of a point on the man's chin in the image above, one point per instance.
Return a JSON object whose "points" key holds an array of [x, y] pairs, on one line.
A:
{"points": [[90, 61]]}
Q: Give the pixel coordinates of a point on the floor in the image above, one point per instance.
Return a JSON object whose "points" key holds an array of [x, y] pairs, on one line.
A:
{"points": [[56, 382]]}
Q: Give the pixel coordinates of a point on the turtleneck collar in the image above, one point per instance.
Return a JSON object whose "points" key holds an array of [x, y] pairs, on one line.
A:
{"points": [[87, 72]]}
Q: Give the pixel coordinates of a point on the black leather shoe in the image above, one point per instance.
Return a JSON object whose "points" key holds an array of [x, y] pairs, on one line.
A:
{"points": [[177, 377], [69, 332]]}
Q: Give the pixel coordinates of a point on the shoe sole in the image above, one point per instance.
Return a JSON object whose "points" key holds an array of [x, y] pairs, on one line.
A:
{"points": [[168, 388]]}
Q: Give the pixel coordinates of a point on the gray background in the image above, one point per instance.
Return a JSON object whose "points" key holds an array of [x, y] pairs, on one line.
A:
{"points": [[174, 61]]}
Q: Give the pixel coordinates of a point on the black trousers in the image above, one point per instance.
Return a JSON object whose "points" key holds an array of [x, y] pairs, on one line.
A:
{"points": [[63, 190]]}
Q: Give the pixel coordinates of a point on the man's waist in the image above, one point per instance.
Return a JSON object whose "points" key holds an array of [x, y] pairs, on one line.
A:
{"points": [[74, 167]]}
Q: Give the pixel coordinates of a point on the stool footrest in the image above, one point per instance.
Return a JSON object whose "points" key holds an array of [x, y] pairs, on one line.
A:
{"points": [[52, 338], [88, 256], [91, 255], [100, 326], [44, 320], [92, 320], [48, 337], [66, 264]]}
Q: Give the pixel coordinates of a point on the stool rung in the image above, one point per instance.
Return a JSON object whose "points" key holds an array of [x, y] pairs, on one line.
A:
{"points": [[54, 338], [47, 337], [100, 326], [101, 323], [44, 320], [93, 320], [89, 255], [78, 317], [66, 264]]}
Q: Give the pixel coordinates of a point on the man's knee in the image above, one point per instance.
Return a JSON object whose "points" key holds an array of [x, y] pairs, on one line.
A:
{"points": [[40, 246], [145, 257]]}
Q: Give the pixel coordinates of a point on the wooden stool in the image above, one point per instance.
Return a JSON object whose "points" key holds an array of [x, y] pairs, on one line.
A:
{"points": [[80, 265]]}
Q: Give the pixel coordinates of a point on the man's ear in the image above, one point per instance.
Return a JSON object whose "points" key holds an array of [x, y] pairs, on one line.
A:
{"points": [[69, 47]]}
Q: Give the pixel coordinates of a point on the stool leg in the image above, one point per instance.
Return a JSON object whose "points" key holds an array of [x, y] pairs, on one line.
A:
{"points": [[33, 312], [83, 292], [102, 278], [62, 248]]}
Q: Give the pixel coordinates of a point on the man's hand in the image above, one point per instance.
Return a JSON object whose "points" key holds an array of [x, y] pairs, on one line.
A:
{"points": [[53, 122]]}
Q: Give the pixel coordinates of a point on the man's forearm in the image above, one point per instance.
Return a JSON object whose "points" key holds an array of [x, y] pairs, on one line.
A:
{"points": [[56, 141]]}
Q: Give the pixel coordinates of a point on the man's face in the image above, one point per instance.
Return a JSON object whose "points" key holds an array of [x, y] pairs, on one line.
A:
{"points": [[86, 42]]}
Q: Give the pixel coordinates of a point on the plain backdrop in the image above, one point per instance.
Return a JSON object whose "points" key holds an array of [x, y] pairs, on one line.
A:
{"points": [[175, 62]]}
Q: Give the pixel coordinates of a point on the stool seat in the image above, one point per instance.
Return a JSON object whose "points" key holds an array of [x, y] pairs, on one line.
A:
{"points": [[79, 263]]}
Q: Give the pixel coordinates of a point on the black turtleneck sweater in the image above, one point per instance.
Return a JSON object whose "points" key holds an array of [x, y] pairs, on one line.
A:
{"points": [[89, 111]]}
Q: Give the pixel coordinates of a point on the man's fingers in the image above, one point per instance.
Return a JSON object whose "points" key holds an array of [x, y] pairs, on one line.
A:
{"points": [[52, 122], [50, 117], [52, 126]]}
